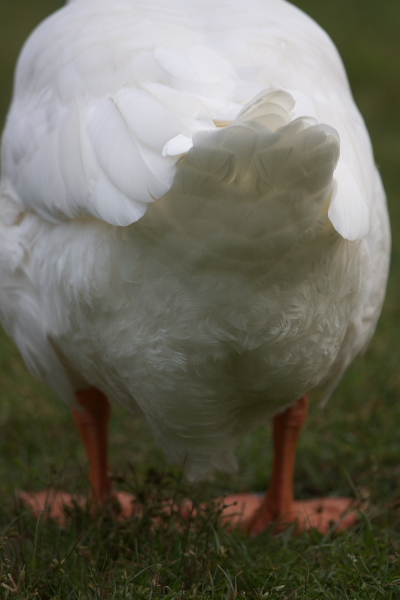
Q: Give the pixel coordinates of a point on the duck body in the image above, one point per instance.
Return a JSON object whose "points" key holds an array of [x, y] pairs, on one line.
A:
{"points": [[191, 218]]}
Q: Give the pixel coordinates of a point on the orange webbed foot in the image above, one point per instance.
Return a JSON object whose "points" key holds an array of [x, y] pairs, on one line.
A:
{"points": [[56, 504], [249, 513]]}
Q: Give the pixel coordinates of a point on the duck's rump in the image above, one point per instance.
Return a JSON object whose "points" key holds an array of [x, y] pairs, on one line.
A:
{"points": [[230, 287], [226, 302]]}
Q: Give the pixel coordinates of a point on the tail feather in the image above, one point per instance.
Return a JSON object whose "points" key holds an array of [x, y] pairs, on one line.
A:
{"points": [[264, 154], [290, 168]]}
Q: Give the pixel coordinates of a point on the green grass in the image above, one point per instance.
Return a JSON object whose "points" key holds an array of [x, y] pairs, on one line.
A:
{"points": [[351, 447]]}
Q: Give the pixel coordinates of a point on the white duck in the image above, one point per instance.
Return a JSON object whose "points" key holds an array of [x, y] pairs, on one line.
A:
{"points": [[192, 225]]}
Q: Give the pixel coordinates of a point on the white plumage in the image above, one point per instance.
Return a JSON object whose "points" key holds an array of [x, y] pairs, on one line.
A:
{"points": [[191, 219]]}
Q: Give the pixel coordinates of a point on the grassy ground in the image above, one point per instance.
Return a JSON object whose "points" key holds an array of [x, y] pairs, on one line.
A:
{"points": [[352, 447]]}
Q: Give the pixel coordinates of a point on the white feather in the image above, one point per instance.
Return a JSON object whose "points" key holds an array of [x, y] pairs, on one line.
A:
{"points": [[190, 215]]}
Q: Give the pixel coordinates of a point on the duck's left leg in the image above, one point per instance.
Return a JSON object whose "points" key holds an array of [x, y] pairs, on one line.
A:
{"points": [[92, 421], [278, 505]]}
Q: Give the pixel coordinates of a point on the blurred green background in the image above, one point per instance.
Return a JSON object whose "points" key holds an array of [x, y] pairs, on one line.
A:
{"points": [[352, 446]]}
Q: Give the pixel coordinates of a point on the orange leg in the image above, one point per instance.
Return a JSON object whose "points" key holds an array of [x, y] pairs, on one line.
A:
{"points": [[278, 505], [279, 500], [92, 423], [247, 511]]}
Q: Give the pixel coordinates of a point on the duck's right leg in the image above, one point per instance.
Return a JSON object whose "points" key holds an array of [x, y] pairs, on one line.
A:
{"points": [[278, 507]]}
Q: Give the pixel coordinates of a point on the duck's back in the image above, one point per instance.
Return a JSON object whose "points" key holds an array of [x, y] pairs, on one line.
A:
{"points": [[177, 227], [104, 85]]}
